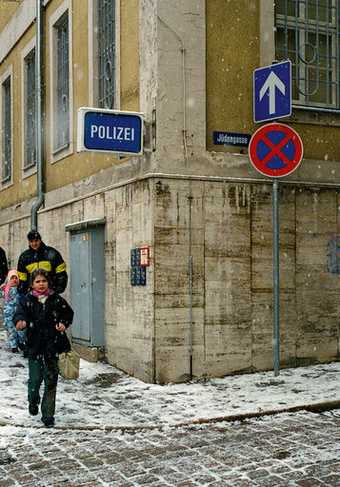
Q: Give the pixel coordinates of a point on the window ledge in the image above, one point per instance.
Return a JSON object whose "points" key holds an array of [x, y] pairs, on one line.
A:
{"points": [[6, 184], [305, 115], [61, 153]]}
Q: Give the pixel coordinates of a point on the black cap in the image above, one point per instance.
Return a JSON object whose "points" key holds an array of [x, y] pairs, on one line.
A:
{"points": [[33, 235]]}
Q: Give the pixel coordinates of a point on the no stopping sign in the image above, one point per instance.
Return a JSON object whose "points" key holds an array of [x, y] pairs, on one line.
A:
{"points": [[275, 150]]}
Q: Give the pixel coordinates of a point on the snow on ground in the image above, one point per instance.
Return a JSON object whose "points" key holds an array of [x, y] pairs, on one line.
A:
{"points": [[104, 396]]}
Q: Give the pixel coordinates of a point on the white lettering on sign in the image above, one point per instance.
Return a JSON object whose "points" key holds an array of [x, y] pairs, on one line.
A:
{"points": [[232, 139], [113, 133]]}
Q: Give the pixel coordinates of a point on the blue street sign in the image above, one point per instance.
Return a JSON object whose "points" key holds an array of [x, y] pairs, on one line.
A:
{"points": [[110, 131], [272, 92], [231, 138]]}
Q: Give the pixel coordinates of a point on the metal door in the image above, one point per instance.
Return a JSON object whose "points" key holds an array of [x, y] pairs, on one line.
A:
{"points": [[81, 289], [88, 285]]}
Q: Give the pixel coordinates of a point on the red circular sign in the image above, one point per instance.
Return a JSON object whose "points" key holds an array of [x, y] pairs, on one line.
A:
{"points": [[275, 150]]}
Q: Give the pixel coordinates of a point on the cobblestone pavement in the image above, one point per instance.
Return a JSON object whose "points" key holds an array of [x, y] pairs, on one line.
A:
{"points": [[301, 449]]}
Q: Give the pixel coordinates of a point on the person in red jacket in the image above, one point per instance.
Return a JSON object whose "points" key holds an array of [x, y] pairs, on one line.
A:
{"points": [[41, 256]]}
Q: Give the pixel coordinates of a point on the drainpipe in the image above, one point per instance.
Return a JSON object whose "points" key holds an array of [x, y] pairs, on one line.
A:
{"points": [[38, 114]]}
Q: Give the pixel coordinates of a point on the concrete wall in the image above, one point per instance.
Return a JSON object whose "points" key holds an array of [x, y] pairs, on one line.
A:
{"points": [[129, 309], [190, 75], [148, 331], [232, 278]]}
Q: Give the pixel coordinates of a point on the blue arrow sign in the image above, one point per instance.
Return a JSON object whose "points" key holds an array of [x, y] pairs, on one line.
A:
{"points": [[272, 92], [110, 131]]}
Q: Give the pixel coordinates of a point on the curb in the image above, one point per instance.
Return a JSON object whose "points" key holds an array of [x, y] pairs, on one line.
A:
{"points": [[312, 408]]}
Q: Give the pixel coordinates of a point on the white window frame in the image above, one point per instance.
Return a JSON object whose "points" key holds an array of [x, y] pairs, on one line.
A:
{"points": [[66, 6], [25, 173], [7, 74], [92, 59]]}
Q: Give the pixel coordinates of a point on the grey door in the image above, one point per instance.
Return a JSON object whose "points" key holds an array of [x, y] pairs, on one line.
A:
{"points": [[88, 285], [81, 285]]}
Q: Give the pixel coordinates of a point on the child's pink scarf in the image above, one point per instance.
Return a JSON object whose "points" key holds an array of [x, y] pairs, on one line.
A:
{"points": [[8, 284], [38, 294]]}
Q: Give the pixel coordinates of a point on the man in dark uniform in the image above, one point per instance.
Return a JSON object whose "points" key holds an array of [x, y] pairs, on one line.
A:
{"points": [[40, 256], [3, 265]]}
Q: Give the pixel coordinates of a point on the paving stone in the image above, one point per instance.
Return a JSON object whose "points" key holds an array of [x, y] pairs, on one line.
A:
{"points": [[6, 482], [310, 482], [227, 455]]}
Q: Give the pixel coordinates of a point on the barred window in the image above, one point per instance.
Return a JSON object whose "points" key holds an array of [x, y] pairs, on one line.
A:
{"points": [[307, 33], [106, 44], [62, 106], [6, 173], [30, 152]]}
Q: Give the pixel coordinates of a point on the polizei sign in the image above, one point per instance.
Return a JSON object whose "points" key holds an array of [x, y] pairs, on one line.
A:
{"points": [[110, 131]]}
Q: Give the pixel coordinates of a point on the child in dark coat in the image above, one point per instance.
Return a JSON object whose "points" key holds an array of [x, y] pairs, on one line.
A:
{"points": [[45, 315]]}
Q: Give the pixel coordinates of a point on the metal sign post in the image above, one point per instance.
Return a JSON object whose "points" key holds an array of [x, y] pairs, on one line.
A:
{"points": [[276, 276], [276, 150]]}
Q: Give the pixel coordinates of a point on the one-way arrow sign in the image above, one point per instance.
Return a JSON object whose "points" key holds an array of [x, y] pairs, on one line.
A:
{"points": [[272, 92]]}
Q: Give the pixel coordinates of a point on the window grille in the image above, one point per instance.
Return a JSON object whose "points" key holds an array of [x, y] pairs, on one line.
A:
{"points": [[30, 113], [307, 33], [6, 131], [106, 53], [62, 108]]}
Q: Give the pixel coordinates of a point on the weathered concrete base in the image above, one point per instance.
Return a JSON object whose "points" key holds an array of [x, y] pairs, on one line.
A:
{"points": [[221, 322]]}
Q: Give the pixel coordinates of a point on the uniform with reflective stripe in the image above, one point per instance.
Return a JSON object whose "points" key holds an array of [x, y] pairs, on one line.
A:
{"points": [[46, 258]]}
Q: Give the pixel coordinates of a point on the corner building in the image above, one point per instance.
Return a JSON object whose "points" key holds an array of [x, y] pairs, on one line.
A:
{"points": [[203, 305]]}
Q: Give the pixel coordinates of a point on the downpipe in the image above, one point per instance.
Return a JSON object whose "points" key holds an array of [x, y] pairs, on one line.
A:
{"points": [[38, 114], [190, 275]]}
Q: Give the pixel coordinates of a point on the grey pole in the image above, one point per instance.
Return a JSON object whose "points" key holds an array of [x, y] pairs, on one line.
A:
{"points": [[276, 276]]}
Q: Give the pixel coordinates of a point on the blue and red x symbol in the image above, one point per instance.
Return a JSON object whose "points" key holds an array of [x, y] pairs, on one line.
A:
{"points": [[275, 150]]}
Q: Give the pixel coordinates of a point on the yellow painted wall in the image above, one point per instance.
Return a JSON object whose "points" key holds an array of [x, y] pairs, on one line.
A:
{"points": [[75, 166], [233, 52], [21, 189], [129, 38], [82, 165]]}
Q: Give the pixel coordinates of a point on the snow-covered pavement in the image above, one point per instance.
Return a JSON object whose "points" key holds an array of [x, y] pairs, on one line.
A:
{"points": [[105, 397]]}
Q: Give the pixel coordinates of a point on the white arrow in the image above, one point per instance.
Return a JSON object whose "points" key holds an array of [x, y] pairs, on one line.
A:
{"points": [[272, 82]]}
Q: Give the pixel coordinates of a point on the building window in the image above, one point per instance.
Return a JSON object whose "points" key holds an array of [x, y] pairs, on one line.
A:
{"points": [[30, 153], [6, 172], [62, 90], [307, 33], [106, 47]]}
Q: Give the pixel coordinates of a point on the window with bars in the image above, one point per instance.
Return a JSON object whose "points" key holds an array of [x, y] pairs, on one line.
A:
{"points": [[30, 153], [307, 33], [106, 45], [62, 104], [6, 172]]}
